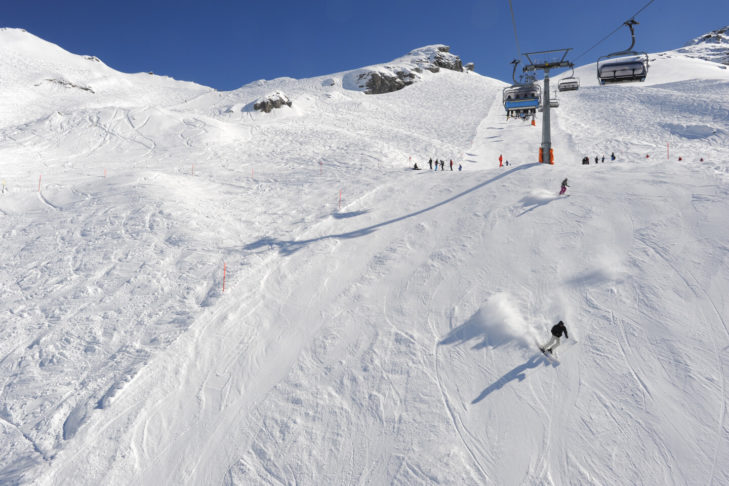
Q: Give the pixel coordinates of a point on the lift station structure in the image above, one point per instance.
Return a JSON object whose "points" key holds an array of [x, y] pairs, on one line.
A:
{"points": [[545, 61]]}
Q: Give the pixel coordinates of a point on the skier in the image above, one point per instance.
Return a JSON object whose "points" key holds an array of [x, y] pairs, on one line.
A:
{"points": [[460, 167], [602, 161], [557, 331], [442, 165], [451, 165], [612, 156], [430, 163], [415, 167], [564, 187], [596, 159]]}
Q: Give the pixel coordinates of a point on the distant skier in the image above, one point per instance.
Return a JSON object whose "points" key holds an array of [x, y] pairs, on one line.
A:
{"points": [[564, 187], [442, 165], [602, 161], [460, 167], [430, 163], [451, 165], [612, 156], [415, 167], [596, 159], [557, 331]]}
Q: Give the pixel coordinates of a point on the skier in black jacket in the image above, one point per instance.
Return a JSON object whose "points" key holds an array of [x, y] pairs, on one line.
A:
{"points": [[557, 331]]}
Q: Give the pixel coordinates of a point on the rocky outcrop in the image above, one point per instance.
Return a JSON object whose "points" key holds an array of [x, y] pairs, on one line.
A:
{"points": [[68, 84], [378, 82], [713, 46], [443, 58], [272, 101], [407, 70]]}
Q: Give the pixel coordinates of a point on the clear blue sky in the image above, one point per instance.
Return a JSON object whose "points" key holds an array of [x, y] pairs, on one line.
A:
{"points": [[225, 44]]}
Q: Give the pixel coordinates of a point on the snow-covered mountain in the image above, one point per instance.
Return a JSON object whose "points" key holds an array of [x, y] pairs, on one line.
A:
{"points": [[378, 325], [713, 46]]}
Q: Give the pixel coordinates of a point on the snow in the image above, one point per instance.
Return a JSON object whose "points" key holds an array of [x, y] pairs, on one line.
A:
{"points": [[385, 338]]}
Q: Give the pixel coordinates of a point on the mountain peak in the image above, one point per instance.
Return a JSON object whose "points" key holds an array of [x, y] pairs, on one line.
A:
{"points": [[712, 46]]}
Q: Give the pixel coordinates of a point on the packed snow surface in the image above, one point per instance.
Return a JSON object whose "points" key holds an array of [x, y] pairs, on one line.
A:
{"points": [[197, 293]]}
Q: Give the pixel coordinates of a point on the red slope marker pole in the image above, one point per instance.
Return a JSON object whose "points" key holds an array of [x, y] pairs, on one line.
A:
{"points": [[224, 268]]}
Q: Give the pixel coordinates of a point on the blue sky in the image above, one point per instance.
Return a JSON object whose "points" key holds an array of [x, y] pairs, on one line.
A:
{"points": [[225, 44]]}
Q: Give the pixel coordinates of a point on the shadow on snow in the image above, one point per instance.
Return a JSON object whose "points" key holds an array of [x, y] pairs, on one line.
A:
{"points": [[291, 247], [351, 214], [517, 374]]}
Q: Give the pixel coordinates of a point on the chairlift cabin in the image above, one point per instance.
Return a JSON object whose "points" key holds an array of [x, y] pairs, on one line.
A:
{"points": [[553, 102], [521, 98], [570, 83], [628, 67], [623, 70]]}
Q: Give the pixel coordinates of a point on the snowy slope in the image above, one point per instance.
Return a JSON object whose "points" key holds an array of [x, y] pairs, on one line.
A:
{"points": [[386, 339]]}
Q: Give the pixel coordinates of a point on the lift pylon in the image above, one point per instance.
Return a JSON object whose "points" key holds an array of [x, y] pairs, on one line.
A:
{"points": [[544, 61]]}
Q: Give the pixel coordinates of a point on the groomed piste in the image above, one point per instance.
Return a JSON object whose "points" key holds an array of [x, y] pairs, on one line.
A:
{"points": [[374, 324]]}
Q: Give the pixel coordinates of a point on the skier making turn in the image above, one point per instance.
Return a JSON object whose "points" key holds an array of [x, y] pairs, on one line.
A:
{"points": [[557, 331], [564, 187]]}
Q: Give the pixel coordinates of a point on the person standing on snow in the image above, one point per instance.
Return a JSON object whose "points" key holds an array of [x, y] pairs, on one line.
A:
{"points": [[430, 163], [442, 166], [557, 331], [451, 165], [564, 187]]}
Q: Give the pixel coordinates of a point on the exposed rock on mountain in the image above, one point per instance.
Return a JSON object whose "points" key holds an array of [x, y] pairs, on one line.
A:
{"points": [[407, 70], [272, 101], [713, 46]]}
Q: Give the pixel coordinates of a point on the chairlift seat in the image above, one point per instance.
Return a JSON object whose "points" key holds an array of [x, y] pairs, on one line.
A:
{"points": [[518, 98], [621, 71], [569, 84]]}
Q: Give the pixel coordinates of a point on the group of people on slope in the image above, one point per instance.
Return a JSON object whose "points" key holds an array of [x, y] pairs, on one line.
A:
{"points": [[586, 159], [433, 165]]}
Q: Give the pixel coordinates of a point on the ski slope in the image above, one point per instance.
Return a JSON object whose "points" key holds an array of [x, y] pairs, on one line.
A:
{"points": [[387, 337]]}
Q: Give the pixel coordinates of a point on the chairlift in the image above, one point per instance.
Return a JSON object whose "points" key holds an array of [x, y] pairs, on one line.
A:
{"points": [[522, 98], [570, 83], [628, 67], [553, 102]]}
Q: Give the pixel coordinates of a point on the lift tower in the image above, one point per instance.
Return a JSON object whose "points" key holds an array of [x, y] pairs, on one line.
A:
{"points": [[546, 60]]}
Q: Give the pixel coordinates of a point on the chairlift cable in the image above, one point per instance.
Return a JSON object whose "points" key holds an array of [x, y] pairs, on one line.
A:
{"points": [[613, 32], [513, 22]]}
